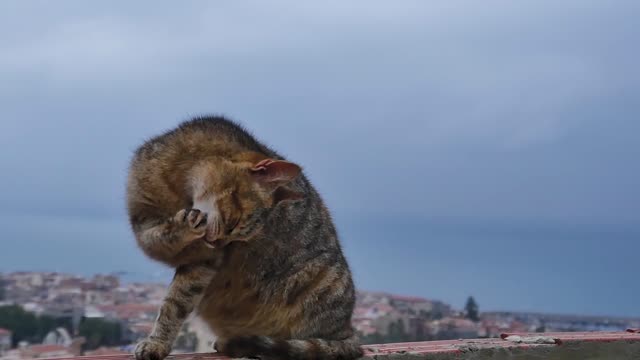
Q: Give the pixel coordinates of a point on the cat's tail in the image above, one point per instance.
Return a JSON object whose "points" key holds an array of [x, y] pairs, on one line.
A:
{"points": [[309, 349]]}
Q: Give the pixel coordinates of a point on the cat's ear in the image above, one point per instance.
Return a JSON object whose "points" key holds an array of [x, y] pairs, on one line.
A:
{"points": [[275, 172], [284, 194]]}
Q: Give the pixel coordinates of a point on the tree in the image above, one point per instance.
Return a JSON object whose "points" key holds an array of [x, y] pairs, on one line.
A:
{"points": [[48, 323], [396, 332], [99, 332], [23, 325], [27, 326], [471, 309], [375, 338]]}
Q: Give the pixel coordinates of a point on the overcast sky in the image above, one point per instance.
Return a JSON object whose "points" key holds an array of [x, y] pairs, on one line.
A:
{"points": [[463, 146]]}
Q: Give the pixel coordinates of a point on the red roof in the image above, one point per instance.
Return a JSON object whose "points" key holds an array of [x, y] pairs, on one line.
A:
{"points": [[40, 349], [105, 351], [142, 327], [129, 307], [128, 311], [413, 299]]}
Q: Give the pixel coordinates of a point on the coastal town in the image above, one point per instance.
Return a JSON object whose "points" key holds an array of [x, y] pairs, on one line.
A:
{"points": [[48, 314]]}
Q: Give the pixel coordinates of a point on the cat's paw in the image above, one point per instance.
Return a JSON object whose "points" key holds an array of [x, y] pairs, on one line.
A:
{"points": [[192, 220], [219, 345], [151, 349], [235, 348]]}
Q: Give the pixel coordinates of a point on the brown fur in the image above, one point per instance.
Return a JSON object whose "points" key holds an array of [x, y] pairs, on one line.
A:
{"points": [[276, 285]]}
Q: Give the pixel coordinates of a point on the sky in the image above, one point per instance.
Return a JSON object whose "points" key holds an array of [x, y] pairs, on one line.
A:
{"points": [[464, 148]]}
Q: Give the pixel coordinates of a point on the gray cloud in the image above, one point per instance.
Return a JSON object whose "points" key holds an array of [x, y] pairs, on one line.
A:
{"points": [[496, 110], [388, 89]]}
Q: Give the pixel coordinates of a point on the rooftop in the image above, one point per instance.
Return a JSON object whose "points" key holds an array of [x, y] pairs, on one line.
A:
{"points": [[553, 346]]}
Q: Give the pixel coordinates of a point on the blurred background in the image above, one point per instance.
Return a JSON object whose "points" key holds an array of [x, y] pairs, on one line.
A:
{"points": [[484, 150]]}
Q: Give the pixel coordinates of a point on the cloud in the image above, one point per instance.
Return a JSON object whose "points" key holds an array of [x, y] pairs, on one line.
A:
{"points": [[352, 90], [414, 119]]}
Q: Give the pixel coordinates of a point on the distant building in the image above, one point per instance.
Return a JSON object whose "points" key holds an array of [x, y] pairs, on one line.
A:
{"points": [[138, 331], [130, 313], [102, 351], [44, 351], [105, 282], [455, 327], [59, 336], [411, 304], [52, 350], [5, 340]]}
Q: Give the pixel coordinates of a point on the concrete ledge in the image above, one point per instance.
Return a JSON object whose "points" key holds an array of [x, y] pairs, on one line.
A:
{"points": [[578, 346], [552, 346]]}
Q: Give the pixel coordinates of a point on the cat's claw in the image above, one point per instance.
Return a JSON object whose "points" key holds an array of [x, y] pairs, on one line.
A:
{"points": [[151, 349], [194, 220], [197, 219]]}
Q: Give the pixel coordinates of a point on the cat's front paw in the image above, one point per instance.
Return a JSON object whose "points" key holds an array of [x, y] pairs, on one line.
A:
{"points": [[152, 349], [220, 345], [193, 221]]}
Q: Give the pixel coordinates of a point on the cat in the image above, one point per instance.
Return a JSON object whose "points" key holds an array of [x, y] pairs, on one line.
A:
{"points": [[254, 247]]}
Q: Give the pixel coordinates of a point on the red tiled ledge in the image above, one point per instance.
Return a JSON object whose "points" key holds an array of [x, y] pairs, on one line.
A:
{"points": [[521, 346]]}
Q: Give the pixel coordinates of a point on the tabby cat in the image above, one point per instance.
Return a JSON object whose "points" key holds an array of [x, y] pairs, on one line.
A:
{"points": [[255, 250]]}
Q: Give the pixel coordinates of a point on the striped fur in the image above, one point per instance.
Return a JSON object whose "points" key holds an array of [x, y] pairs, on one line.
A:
{"points": [[276, 283], [185, 292], [309, 349]]}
